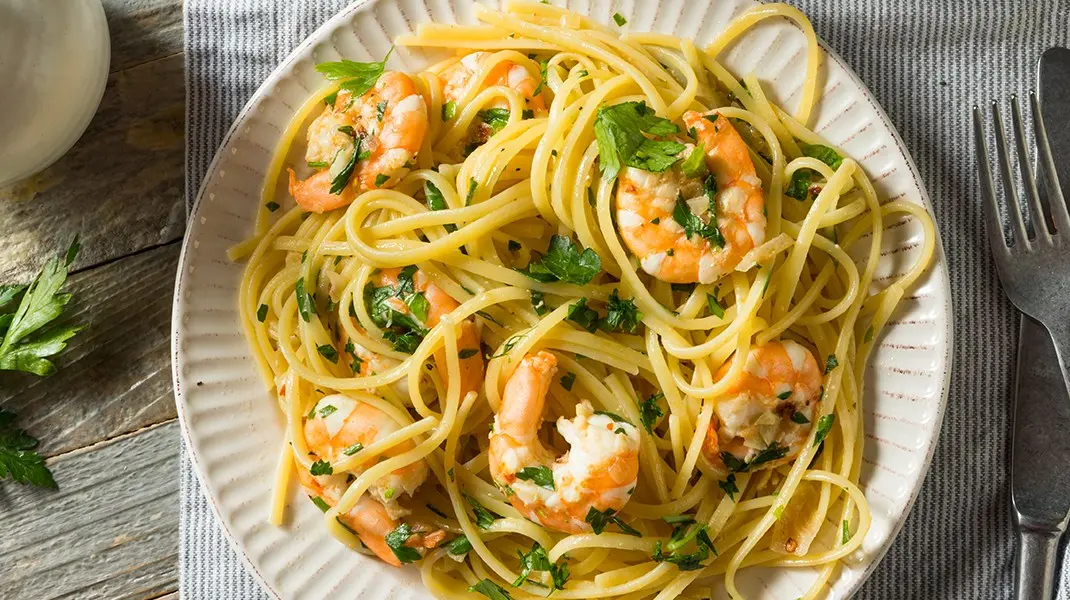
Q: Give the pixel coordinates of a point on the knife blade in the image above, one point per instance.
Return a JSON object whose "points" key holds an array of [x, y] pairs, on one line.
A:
{"points": [[1040, 456]]}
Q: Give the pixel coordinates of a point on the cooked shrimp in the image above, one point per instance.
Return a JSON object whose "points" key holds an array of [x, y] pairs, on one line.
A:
{"points": [[461, 76], [386, 127], [599, 471], [368, 518], [764, 417], [440, 303], [646, 202], [340, 426]]}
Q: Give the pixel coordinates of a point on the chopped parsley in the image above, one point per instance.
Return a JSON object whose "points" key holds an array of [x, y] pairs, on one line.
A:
{"points": [[693, 225], [598, 520], [473, 187], [341, 180], [650, 411], [272, 206], [495, 118], [327, 410], [320, 503], [306, 305], [798, 417], [459, 546], [350, 451], [619, 130], [565, 262], [695, 163], [396, 541], [846, 532], [484, 518], [327, 351], [380, 179], [623, 315], [436, 201], [868, 337], [539, 303], [824, 425], [404, 330], [541, 476], [729, 486], [583, 316], [619, 19], [490, 589], [715, 307], [799, 186], [568, 380], [467, 353], [321, 467], [822, 153], [261, 313], [514, 245], [773, 452], [614, 416], [831, 363]]}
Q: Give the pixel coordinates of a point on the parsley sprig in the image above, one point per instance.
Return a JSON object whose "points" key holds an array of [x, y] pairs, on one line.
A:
{"points": [[355, 77], [29, 336], [621, 131], [565, 262]]}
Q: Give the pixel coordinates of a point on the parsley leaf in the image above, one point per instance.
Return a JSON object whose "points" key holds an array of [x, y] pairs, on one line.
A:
{"points": [[321, 467], [396, 541], [799, 186], [729, 486], [798, 417], [564, 262], [619, 130], [693, 225], [695, 163], [484, 518], [650, 411], [467, 353], [623, 315], [436, 201], [350, 451], [831, 363], [459, 546], [490, 589], [261, 313], [824, 425], [582, 315], [541, 476], [535, 560], [320, 503], [599, 519], [341, 180], [306, 306], [568, 380], [356, 77], [26, 341], [539, 303], [495, 118], [327, 351], [822, 153], [715, 307], [619, 19], [17, 458], [380, 179]]}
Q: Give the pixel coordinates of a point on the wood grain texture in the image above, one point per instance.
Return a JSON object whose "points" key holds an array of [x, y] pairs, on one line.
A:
{"points": [[143, 30], [120, 187], [109, 532], [115, 376]]}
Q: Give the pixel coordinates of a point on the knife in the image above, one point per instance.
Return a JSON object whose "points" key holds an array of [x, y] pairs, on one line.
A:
{"points": [[1040, 456]]}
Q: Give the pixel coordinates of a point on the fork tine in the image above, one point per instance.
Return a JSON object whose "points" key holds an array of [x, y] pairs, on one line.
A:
{"points": [[988, 190], [1010, 188], [1032, 197], [1056, 201]]}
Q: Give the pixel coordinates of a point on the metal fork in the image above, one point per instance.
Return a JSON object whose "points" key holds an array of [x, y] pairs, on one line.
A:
{"points": [[1035, 274]]}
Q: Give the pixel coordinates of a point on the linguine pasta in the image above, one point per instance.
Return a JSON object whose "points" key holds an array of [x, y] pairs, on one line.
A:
{"points": [[479, 217]]}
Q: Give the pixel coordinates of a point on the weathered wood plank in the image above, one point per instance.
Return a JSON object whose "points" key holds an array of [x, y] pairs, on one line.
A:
{"points": [[120, 187], [115, 376], [110, 531], [143, 30]]}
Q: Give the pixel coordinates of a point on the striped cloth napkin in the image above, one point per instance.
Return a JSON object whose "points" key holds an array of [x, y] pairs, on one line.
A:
{"points": [[926, 62]]}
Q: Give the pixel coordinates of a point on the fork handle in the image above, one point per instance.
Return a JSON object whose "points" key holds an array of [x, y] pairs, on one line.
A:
{"points": [[1060, 337], [1037, 552]]}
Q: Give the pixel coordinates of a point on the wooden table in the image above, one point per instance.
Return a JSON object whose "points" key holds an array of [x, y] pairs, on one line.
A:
{"points": [[106, 420]]}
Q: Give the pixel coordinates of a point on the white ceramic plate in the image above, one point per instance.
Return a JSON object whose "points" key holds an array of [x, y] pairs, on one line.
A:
{"points": [[232, 426]]}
